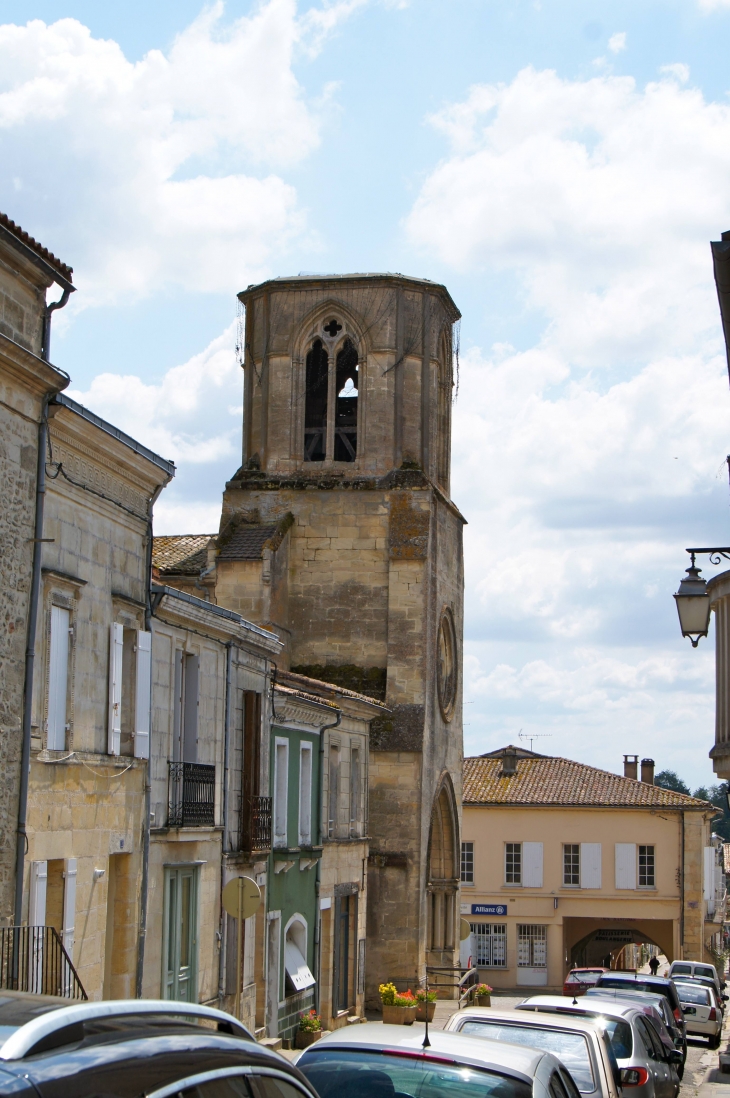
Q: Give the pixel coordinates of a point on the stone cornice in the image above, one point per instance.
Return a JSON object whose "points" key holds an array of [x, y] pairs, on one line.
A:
{"points": [[30, 371]]}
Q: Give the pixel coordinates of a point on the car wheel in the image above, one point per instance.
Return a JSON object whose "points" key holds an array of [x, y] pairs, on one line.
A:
{"points": [[715, 1042]]}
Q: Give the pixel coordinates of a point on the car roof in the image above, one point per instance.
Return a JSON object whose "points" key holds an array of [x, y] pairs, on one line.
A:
{"points": [[627, 994], [640, 977], [526, 1017], [564, 1003], [500, 1055]]}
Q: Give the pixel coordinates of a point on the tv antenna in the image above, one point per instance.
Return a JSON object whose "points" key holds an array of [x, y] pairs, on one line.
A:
{"points": [[533, 736]]}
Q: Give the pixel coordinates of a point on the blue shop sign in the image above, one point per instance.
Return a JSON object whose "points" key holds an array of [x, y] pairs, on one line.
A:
{"points": [[489, 909]]}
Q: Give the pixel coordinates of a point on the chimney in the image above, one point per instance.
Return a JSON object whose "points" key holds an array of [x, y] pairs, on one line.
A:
{"points": [[647, 771], [509, 762], [631, 766]]}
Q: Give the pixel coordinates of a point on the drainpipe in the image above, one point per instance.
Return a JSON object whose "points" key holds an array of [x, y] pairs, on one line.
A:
{"points": [[35, 590], [144, 883], [225, 840], [317, 880], [681, 899]]}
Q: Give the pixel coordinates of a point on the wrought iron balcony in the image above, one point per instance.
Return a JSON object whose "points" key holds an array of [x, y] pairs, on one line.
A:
{"points": [[33, 958], [192, 795], [256, 824]]}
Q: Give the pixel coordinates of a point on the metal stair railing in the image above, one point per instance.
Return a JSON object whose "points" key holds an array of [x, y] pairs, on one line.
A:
{"points": [[34, 959]]}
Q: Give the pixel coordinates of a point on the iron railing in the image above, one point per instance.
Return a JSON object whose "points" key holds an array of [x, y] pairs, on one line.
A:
{"points": [[256, 824], [33, 959], [192, 795]]}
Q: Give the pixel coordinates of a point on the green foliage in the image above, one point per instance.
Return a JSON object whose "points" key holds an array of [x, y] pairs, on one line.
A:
{"points": [[667, 779], [716, 794]]}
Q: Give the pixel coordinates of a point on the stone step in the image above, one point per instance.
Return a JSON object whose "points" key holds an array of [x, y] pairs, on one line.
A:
{"points": [[271, 1042]]}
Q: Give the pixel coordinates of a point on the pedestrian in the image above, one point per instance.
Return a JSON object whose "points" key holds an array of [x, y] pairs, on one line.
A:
{"points": [[654, 965]]}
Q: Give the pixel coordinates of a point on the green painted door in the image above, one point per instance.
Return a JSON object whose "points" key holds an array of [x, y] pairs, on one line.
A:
{"points": [[181, 932]]}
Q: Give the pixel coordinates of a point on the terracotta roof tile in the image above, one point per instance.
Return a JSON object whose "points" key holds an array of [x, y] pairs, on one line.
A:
{"points": [[182, 554], [542, 780], [28, 240]]}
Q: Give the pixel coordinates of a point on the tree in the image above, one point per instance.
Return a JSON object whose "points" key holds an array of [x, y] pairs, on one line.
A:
{"points": [[667, 779], [717, 795]]}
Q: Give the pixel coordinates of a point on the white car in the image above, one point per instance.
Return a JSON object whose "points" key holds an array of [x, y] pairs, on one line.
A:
{"points": [[581, 1044], [391, 1062], [701, 1010], [678, 969]]}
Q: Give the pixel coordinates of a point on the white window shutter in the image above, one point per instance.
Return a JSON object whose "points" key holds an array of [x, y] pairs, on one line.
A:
{"points": [[58, 677], [116, 650], [590, 865], [38, 882], [143, 695], [69, 907], [532, 865], [625, 865], [709, 874]]}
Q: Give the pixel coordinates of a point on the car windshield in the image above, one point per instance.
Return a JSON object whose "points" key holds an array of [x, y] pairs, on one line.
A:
{"points": [[371, 1074], [585, 975], [689, 993], [570, 1047]]}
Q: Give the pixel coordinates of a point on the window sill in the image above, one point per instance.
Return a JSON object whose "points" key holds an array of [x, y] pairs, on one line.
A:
{"points": [[467, 884]]}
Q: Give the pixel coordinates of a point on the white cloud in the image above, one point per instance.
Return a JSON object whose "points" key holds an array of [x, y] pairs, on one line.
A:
{"points": [[160, 173], [713, 5], [617, 42], [586, 461], [678, 70]]}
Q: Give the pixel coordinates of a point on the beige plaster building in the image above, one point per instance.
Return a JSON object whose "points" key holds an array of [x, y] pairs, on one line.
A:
{"points": [[564, 864]]}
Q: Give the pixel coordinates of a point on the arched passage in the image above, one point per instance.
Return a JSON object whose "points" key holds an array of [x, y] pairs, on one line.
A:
{"points": [[601, 942], [442, 882]]}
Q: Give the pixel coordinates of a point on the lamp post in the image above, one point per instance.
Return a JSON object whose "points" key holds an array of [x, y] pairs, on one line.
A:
{"points": [[693, 598]]}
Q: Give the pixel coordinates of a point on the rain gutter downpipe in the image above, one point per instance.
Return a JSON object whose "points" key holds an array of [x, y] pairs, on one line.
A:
{"points": [[317, 880], [35, 589], [223, 935]]}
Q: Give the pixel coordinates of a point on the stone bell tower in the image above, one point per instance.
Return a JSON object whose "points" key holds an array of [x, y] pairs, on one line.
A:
{"points": [[338, 532]]}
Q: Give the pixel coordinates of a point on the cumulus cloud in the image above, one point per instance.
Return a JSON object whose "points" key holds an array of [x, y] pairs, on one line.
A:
{"points": [[617, 42], [162, 173], [599, 444]]}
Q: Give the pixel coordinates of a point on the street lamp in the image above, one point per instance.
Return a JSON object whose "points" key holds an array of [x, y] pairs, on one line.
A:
{"points": [[693, 603]]}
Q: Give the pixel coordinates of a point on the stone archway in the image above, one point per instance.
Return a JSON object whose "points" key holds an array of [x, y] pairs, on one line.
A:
{"points": [[442, 879], [593, 941]]}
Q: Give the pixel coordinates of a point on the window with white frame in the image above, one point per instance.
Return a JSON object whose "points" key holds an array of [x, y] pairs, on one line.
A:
{"points": [[646, 867], [513, 863], [305, 794], [58, 673], [355, 796], [490, 944], [571, 865], [334, 790], [531, 946], [281, 791], [467, 863]]}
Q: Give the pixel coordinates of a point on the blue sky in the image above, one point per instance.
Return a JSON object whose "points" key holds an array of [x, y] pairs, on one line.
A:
{"points": [[560, 166]]}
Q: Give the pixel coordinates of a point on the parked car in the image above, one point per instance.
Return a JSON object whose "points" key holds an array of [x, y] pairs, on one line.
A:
{"points": [[644, 1001], [52, 1049], [654, 985], [641, 1042], [390, 1062], [584, 1048], [694, 968], [701, 1010], [579, 980], [704, 981]]}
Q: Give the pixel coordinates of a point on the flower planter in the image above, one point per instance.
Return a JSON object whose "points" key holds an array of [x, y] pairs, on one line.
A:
{"points": [[307, 1037], [483, 1000], [423, 1008], [398, 1015]]}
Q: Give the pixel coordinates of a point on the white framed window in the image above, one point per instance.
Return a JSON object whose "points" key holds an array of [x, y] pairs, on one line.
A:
{"points": [[531, 946], [58, 668], [646, 867], [305, 794], [355, 796], [571, 865], [281, 791], [467, 864], [491, 944], [513, 863]]}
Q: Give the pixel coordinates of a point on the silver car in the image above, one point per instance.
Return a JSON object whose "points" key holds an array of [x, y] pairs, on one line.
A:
{"points": [[646, 1054], [581, 1044], [701, 1011], [385, 1061], [644, 1001]]}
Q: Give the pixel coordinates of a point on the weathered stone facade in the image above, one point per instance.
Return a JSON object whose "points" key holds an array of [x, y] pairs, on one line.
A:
{"points": [[338, 533]]}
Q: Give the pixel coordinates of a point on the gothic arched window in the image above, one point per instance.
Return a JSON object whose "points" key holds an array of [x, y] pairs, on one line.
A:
{"points": [[346, 387], [315, 406]]}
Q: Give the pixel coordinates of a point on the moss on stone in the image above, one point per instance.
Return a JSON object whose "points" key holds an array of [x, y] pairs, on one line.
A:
{"points": [[370, 681]]}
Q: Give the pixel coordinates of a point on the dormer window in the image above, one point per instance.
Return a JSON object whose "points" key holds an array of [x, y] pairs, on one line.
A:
{"points": [[328, 388]]}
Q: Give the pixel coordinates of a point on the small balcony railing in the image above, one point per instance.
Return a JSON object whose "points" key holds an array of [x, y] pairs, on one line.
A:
{"points": [[192, 795], [256, 824], [33, 959]]}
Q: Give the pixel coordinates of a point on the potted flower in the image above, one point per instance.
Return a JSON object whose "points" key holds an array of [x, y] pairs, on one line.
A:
{"points": [[483, 995], [426, 1005], [310, 1029], [399, 1008]]}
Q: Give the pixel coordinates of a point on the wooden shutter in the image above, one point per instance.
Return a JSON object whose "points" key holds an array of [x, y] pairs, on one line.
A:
{"points": [[590, 865], [709, 873], [532, 865], [69, 907], [116, 652], [625, 865], [58, 678], [38, 882], [143, 695]]}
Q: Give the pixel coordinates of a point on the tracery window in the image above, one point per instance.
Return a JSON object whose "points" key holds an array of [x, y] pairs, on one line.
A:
{"points": [[331, 389]]}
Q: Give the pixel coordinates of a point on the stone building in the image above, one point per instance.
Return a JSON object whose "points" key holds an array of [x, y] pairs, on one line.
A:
{"points": [[563, 864], [339, 534], [27, 382]]}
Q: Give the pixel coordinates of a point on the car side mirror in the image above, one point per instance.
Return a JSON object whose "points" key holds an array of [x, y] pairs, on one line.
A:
{"points": [[674, 1056], [725, 998]]}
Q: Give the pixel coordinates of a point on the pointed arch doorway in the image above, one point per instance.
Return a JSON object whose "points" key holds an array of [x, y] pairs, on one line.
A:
{"points": [[442, 881]]}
